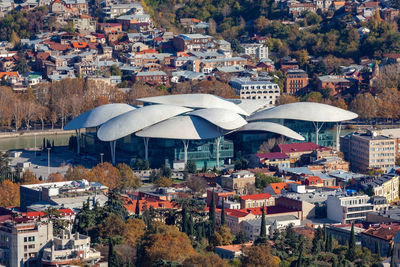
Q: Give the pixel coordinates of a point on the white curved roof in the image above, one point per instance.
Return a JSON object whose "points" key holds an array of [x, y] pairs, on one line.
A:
{"points": [[182, 127], [195, 101], [136, 120], [223, 118], [306, 111], [250, 105], [271, 127], [97, 116]]}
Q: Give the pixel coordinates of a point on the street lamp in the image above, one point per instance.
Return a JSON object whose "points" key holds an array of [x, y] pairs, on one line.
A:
{"points": [[48, 160], [101, 157]]}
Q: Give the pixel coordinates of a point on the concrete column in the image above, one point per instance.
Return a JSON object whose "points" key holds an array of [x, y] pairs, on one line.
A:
{"points": [[78, 141], [185, 148], [338, 130], [317, 129], [146, 148], [218, 142], [112, 150]]}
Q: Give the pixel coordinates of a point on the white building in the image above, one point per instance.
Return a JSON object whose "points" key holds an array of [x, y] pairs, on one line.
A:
{"points": [[22, 243], [256, 50], [347, 209], [251, 228], [256, 89]]}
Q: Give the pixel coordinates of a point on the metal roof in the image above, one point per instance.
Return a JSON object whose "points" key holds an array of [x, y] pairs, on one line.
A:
{"points": [[182, 127], [195, 101], [223, 118], [306, 111], [136, 120], [271, 127], [97, 116]]}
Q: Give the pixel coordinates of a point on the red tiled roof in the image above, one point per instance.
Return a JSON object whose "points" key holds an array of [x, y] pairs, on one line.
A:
{"points": [[149, 202], [148, 51], [8, 74], [79, 44], [277, 187], [256, 196], [383, 231], [273, 155], [269, 210], [234, 248], [42, 55], [311, 180], [300, 147], [60, 47]]}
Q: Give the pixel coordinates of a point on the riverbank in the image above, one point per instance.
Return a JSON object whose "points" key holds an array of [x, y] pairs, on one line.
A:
{"points": [[36, 132]]}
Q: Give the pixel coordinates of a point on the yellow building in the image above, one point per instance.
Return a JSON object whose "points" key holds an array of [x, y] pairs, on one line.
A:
{"points": [[386, 186]]}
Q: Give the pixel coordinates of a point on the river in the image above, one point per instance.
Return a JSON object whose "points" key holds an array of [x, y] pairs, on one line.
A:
{"points": [[26, 142]]}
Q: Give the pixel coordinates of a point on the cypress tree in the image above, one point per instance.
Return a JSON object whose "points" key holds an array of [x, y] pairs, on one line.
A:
{"points": [[392, 261], [390, 251], [137, 208], [351, 252], [329, 245], [223, 212], [263, 231], [300, 258], [334, 263], [190, 226], [112, 257], [184, 221], [212, 218], [378, 250], [325, 233]]}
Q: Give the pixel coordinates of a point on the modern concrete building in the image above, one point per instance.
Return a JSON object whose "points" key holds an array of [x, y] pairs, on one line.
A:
{"points": [[208, 126], [368, 151], [68, 249], [348, 209], [256, 89], [69, 194], [22, 243]]}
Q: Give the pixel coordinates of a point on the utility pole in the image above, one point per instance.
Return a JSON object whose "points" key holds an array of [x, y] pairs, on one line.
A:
{"points": [[48, 160]]}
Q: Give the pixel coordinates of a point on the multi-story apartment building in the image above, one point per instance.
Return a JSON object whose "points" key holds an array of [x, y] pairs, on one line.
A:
{"points": [[259, 51], [68, 249], [116, 10], [256, 89], [367, 151], [392, 133], [296, 81], [238, 181], [152, 77], [347, 209], [208, 65], [386, 186], [22, 244], [193, 42]]}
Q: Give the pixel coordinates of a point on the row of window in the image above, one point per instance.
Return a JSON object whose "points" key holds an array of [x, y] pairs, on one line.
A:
{"points": [[247, 87]]}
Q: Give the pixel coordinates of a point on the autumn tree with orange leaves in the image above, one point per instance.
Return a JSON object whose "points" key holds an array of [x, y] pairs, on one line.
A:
{"points": [[9, 194]]}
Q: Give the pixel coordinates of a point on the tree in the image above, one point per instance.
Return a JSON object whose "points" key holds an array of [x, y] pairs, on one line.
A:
{"points": [[14, 38], [263, 230], [351, 252], [317, 241], [55, 177], [240, 238], [9, 194], [211, 218], [191, 166], [134, 231], [163, 182], [137, 208], [378, 250], [223, 212], [112, 257], [364, 105], [221, 237], [286, 99], [198, 185], [114, 204], [258, 256], [29, 178], [115, 70], [165, 171], [300, 258], [158, 246], [205, 260], [21, 65], [128, 178], [112, 226], [263, 180], [329, 244]]}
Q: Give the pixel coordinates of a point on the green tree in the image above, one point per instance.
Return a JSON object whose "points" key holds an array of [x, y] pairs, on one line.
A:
{"points": [[165, 171], [351, 252], [378, 250], [115, 205], [115, 70], [223, 212], [137, 208], [317, 241], [212, 218], [191, 166], [112, 256], [240, 238]]}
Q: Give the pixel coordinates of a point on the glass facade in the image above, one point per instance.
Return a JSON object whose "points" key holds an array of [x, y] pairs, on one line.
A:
{"points": [[160, 151]]}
